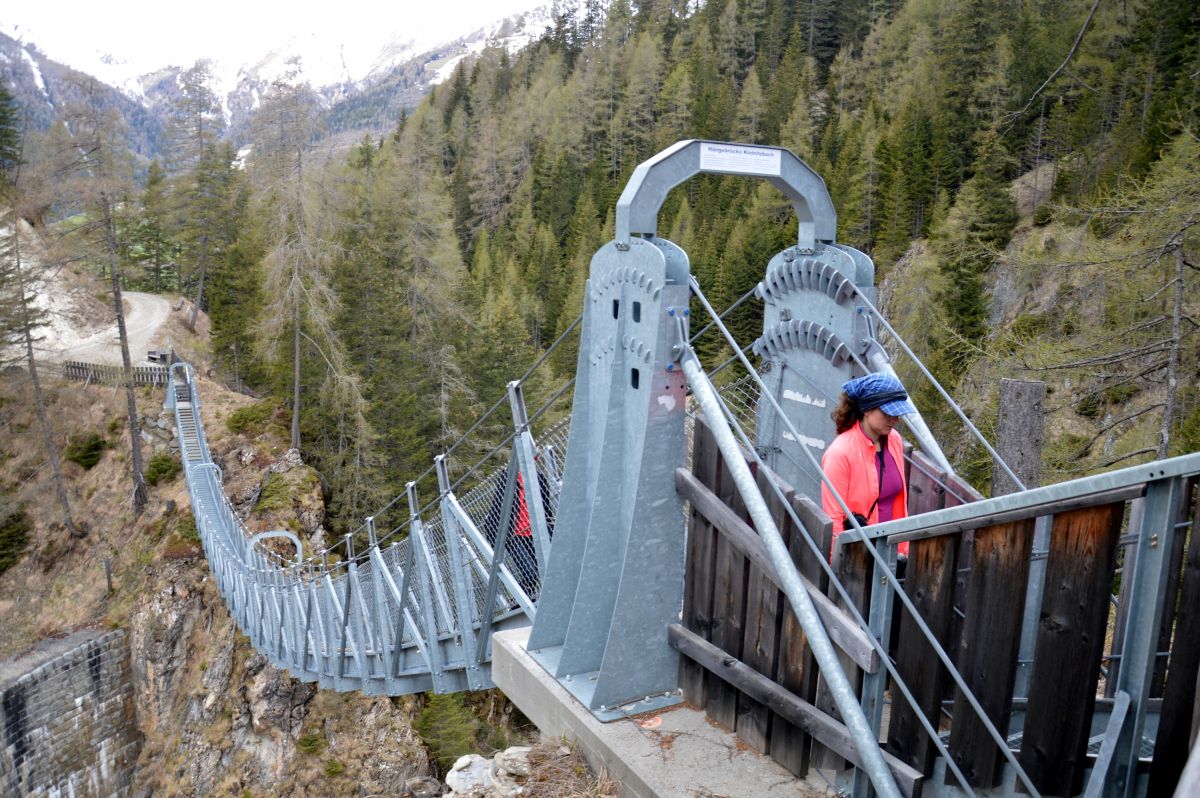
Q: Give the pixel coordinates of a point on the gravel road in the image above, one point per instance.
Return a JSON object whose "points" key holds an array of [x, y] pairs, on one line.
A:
{"points": [[144, 315]]}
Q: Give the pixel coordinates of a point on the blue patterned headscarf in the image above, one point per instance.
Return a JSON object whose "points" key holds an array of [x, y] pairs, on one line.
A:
{"points": [[879, 390]]}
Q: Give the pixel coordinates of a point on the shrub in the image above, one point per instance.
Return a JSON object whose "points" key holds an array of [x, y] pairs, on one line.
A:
{"points": [[187, 531], [1118, 394], [311, 743], [334, 768], [250, 416], [162, 466], [14, 535], [1089, 406], [448, 728], [86, 450], [1043, 215]]}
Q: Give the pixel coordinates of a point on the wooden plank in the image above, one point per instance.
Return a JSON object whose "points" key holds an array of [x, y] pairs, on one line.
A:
{"points": [[797, 671], [1050, 508], [729, 604], [1070, 642], [852, 566], [764, 608], [925, 492], [987, 650], [832, 732], [959, 491], [698, 574], [1180, 701], [843, 631], [929, 582]]}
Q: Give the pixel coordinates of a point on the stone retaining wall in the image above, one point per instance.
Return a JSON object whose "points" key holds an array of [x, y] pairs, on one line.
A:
{"points": [[67, 719]]}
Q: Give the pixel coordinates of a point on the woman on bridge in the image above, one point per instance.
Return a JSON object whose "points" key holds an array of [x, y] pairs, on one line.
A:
{"points": [[865, 462]]}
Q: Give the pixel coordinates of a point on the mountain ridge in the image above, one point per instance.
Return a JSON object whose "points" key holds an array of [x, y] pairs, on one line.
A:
{"points": [[364, 99]]}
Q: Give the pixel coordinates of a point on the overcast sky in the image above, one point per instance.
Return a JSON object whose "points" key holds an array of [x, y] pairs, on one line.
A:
{"points": [[148, 34]]}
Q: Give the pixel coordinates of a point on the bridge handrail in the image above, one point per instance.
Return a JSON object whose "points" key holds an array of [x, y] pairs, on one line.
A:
{"points": [[1032, 503]]}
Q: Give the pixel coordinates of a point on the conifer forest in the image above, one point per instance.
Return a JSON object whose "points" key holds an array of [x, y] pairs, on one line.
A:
{"points": [[1025, 174]]}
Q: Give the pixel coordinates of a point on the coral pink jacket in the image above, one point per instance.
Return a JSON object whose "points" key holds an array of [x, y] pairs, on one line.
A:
{"points": [[849, 462]]}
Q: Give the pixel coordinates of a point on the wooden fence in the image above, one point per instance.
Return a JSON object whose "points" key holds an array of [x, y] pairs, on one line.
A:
{"points": [[114, 375], [1081, 569], [747, 663]]}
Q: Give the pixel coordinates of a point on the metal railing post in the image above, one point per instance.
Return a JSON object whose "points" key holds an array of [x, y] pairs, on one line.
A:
{"points": [[880, 620], [526, 458], [423, 566], [499, 548], [1154, 543], [460, 576]]}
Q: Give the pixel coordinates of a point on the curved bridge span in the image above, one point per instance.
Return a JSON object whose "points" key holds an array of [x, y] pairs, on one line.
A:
{"points": [[394, 619]]}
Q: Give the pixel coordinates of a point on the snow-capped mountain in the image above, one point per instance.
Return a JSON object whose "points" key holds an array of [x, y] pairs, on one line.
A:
{"points": [[364, 75]]}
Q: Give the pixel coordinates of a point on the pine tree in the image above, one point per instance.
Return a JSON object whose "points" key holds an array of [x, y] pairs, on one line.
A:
{"points": [[751, 110], [200, 167], [152, 246]]}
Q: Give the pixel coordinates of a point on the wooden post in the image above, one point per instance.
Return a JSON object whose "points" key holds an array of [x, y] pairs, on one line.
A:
{"points": [[1019, 443], [1019, 434]]}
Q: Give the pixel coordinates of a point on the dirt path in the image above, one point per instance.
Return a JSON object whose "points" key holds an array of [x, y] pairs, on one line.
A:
{"points": [[144, 315]]}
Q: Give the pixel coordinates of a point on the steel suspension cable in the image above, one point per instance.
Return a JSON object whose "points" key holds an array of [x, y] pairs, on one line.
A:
{"points": [[889, 575], [933, 381]]}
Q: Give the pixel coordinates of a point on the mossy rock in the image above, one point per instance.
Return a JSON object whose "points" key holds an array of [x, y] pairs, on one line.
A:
{"points": [[276, 494]]}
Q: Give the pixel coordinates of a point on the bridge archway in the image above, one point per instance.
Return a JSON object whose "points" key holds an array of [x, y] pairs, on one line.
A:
{"points": [[652, 180]]}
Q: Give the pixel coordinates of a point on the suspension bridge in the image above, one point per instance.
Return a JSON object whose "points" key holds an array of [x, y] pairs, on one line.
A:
{"points": [[664, 542]]}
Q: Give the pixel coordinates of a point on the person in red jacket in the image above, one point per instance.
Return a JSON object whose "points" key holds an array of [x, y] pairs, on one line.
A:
{"points": [[865, 462]]}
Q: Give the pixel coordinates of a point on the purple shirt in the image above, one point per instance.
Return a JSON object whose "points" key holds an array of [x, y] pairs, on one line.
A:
{"points": [[890, 483]]}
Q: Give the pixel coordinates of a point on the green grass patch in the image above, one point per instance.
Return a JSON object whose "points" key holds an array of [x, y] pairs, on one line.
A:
{"points": [[86, 449], [187, 531], [334, 768]]}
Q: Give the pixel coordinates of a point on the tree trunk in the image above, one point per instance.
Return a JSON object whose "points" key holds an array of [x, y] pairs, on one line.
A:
{"points": [[38, 401], [1168, 420], [200, 282], [139, 482], [296, 378]]}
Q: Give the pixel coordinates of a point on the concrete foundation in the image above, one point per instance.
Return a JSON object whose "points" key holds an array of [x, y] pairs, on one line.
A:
{"points": [[668, 754]]}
